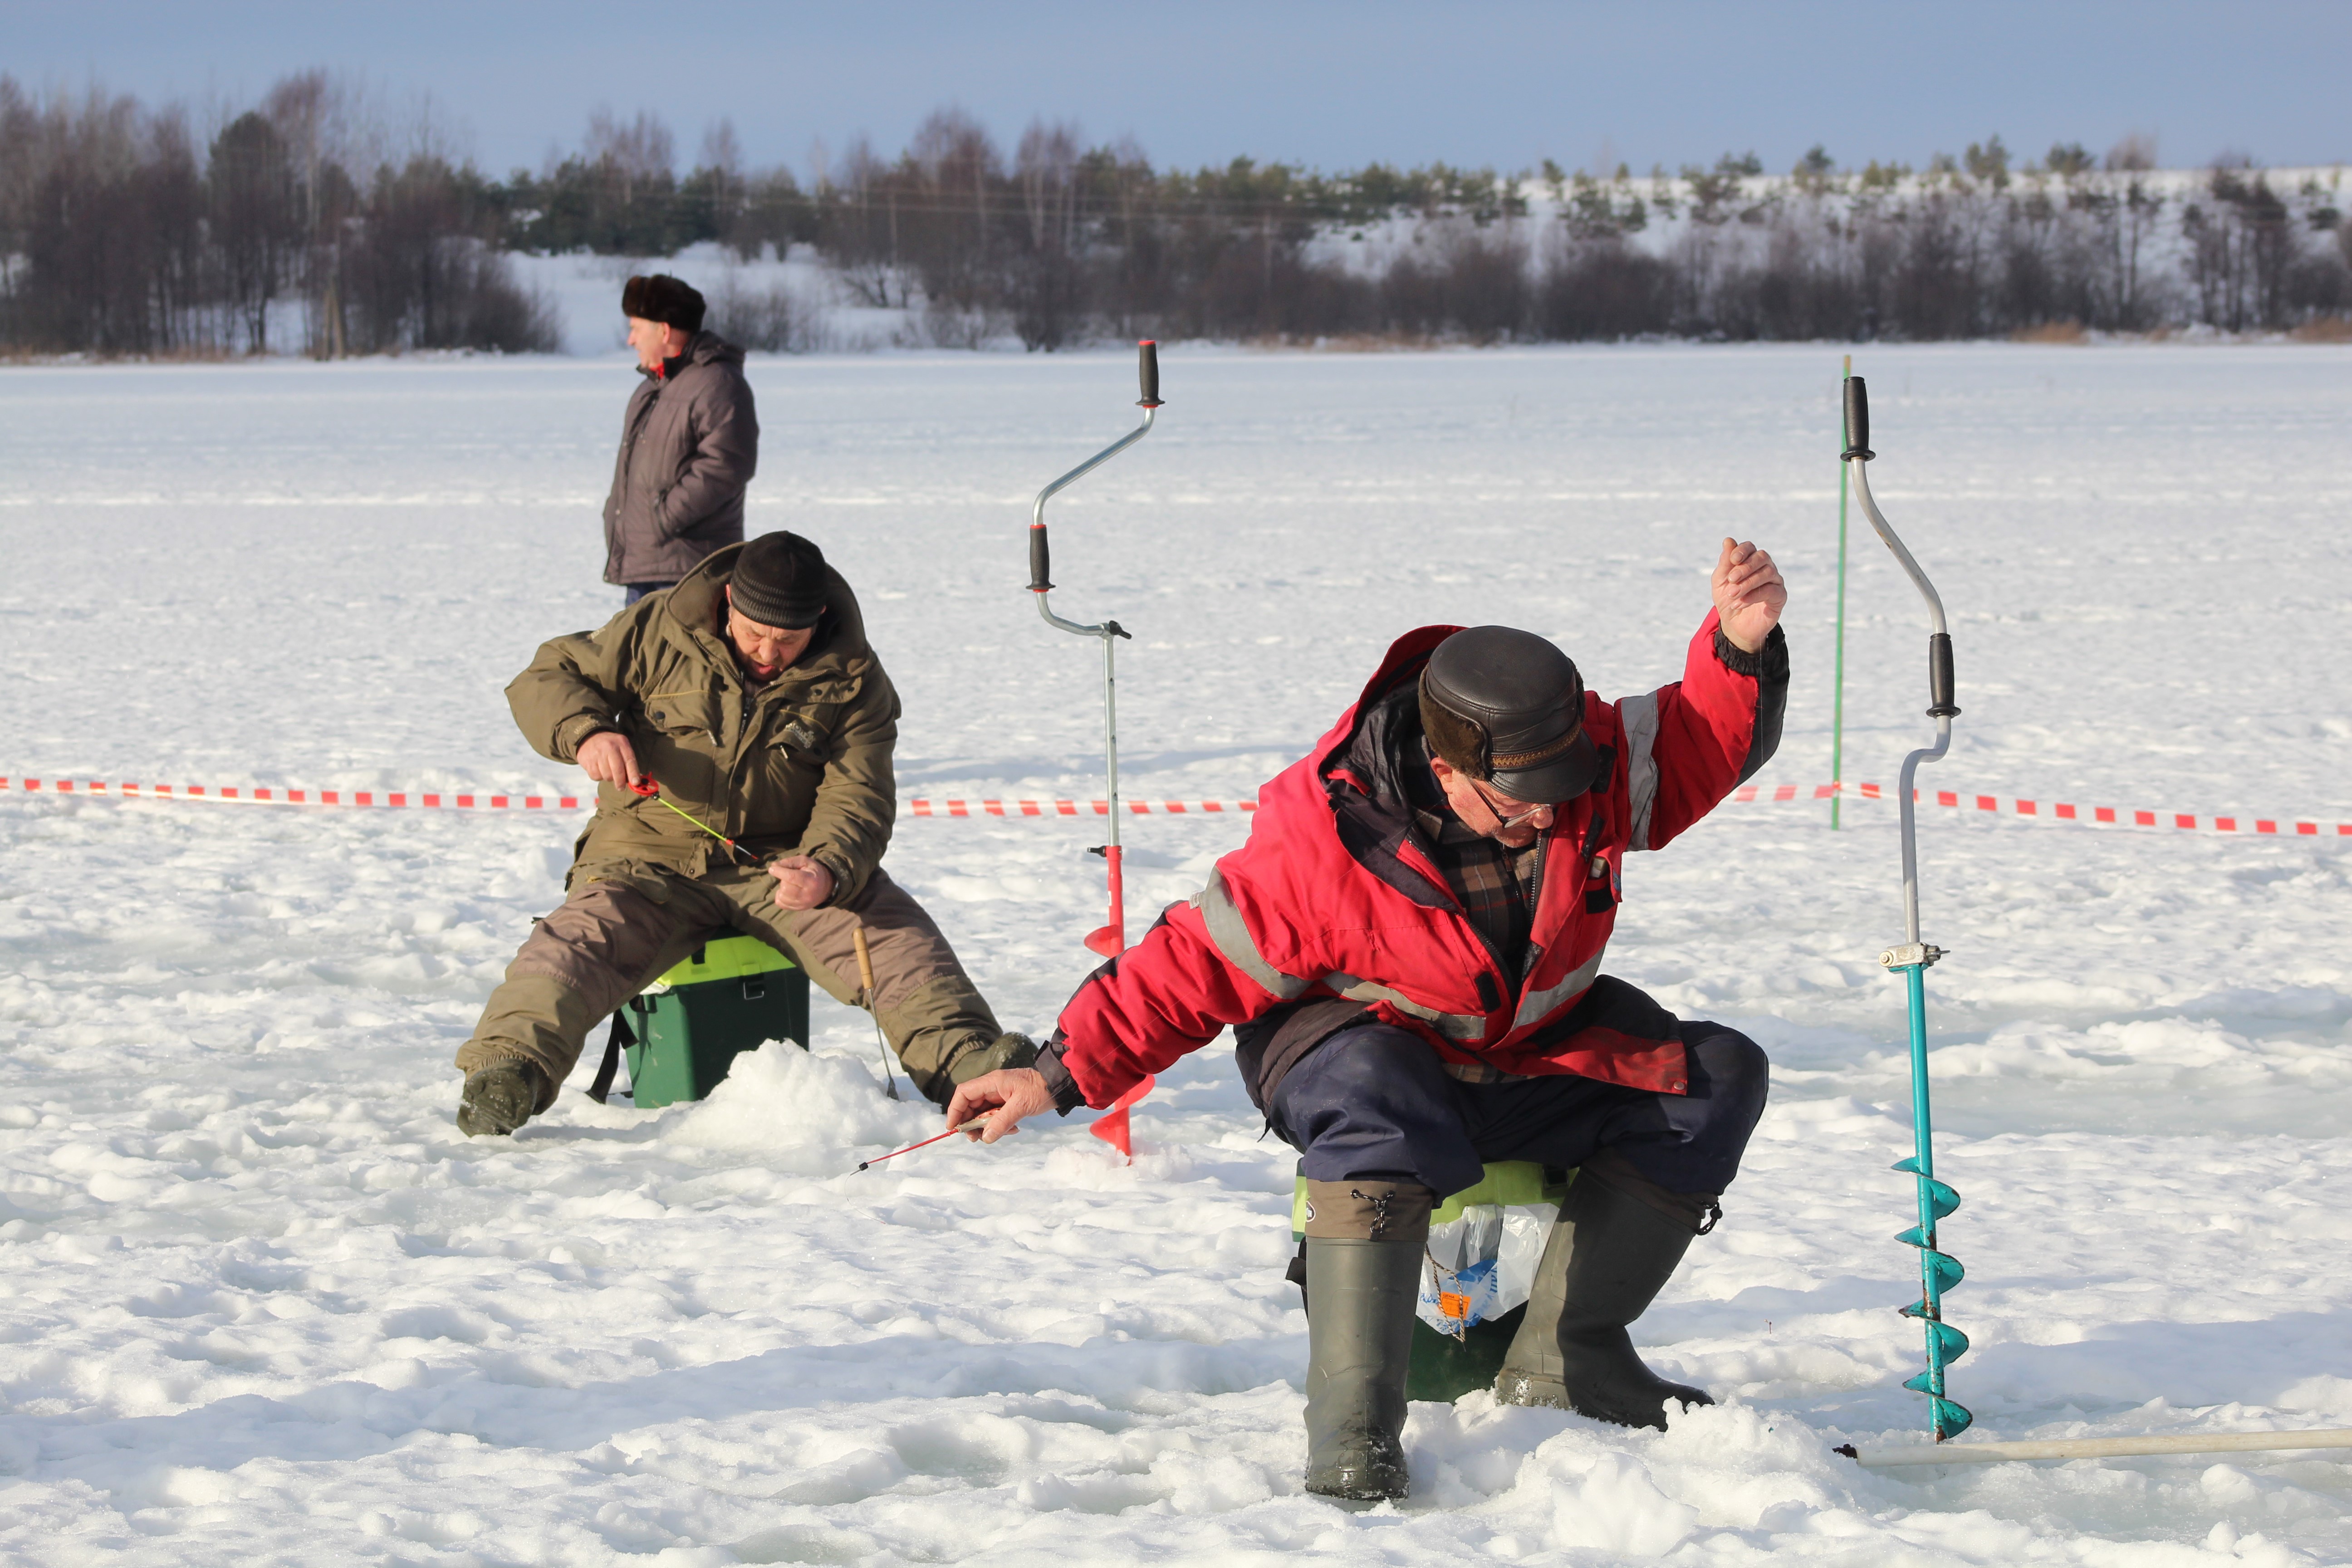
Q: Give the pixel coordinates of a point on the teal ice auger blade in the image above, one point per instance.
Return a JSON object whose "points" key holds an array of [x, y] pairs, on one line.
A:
{"points": [[1939, 1271]]}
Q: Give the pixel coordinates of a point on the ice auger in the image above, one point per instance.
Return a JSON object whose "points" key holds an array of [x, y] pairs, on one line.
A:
{"points": [[1939, 1271], [1111, 939]]}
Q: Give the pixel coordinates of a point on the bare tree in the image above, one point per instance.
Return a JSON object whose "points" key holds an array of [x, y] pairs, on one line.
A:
{"points": [[2135, 153], [1046, 295], [632, 155], [255, 223], [717, 179]]}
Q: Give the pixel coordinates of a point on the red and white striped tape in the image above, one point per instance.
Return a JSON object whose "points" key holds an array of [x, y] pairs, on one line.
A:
{"points": [[1074, 807], [437, 800], [2051, 811], [2066, 811], [262, 797]]}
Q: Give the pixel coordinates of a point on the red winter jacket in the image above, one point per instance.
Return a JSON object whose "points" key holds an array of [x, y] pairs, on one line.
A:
{"points": [[1335, 896]]}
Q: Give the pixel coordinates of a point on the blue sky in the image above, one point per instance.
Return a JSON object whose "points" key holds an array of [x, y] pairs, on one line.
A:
{"points": [[1332, 85]]}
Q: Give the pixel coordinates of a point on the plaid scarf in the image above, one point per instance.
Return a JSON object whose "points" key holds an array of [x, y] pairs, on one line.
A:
{"points": [[1496, 885]]}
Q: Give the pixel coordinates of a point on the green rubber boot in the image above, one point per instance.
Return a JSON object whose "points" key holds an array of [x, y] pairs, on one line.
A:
{"points": [[1360, 1306], [1608, 1257]]}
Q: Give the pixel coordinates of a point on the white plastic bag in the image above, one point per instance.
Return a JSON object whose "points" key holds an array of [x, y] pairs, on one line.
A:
{"points": [[1482, 1264]]}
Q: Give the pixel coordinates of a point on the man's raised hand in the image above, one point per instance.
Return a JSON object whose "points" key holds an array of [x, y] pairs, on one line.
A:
{"points": [[607, 757], [1748, 595]]}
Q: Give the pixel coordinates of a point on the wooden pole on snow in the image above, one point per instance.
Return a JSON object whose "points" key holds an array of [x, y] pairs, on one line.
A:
{"points": [[2099, 1448]]}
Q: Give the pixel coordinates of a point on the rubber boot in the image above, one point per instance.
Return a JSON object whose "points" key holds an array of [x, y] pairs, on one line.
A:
{"points": [[1359, 1307], [1608, 1256]]}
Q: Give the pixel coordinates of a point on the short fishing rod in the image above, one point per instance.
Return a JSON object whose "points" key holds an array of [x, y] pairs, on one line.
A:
{"points": [[652, 792], [976, 1126]]}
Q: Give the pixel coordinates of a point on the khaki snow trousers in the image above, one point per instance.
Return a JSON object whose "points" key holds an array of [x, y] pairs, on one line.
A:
{"points": [[617, 932]]}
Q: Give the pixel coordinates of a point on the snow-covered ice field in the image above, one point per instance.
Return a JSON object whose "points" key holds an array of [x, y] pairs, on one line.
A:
{"points": [[261, 1303]]}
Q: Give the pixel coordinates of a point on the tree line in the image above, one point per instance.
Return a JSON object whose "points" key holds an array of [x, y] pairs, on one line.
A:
{"points": [[1056, 244], [121, 231]]}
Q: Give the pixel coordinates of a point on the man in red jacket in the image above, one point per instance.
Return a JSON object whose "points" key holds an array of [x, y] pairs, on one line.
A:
{"points": [[1409, 950]]}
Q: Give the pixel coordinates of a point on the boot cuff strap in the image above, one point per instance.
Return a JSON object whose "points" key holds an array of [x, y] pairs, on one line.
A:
{"points": [[1368, 1211], [1696, 1212]]}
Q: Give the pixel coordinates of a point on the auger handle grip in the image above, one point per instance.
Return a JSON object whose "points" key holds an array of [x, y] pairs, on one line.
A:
{"points": [[1857, 420], [1939, 676], [1147, 372], [1040, 560]]}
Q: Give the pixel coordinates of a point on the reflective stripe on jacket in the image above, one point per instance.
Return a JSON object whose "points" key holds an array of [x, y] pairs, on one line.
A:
{"points": [[1334, 896]]}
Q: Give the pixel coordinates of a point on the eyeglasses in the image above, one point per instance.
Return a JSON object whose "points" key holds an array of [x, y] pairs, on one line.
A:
{"points": [[1505, 823]]}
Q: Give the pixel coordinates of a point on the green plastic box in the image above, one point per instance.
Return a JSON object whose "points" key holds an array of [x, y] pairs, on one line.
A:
{"points": [[730, 996], [1444, 1368]]}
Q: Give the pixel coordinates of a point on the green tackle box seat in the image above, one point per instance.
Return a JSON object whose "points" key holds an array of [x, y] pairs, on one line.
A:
{"points": [[1444, 1368], [728, 996]]}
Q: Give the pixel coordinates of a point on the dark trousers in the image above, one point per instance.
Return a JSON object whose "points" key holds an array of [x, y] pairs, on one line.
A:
{"points": [[1373, 1101], [639, 590]]}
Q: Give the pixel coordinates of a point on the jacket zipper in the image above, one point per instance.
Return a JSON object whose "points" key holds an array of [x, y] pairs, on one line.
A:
{"points": [[735, 763]]}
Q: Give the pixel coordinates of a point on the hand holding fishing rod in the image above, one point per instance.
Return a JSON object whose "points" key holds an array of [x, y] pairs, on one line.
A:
{"points": [[967, 1131], [645, 785], [1007, 1096], [607, 757], [1009, 1091], [1938, 1272], [802, 882]]}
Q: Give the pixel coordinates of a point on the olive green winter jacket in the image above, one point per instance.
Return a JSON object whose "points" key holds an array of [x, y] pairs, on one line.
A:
{"points": [[799, 766]]}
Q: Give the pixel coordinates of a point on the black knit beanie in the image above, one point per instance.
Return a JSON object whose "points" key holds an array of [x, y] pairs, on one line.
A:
{"points": [[780, 581], [662, 297]]}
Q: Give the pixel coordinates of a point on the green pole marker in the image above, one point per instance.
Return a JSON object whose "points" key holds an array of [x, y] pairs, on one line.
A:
{"points": [[1837, 710]]}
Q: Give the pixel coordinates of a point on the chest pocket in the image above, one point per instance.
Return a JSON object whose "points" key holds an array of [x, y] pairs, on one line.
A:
{"points": [[796, 736], [790, 757], [686, 715]]}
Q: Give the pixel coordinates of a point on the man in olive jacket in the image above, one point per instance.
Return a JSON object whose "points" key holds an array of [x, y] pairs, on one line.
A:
{"points": [[748, 696], [689, 443]]}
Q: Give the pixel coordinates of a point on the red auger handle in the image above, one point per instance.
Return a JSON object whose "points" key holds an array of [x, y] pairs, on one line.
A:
{"points": [[1147, 369]]}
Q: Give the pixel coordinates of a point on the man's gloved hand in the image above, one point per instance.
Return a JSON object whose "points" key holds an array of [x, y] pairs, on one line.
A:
{"points": [[497, 1099]]}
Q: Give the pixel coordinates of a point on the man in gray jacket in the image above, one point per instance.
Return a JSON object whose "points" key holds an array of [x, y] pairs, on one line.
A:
{"points": [[689, 443]]}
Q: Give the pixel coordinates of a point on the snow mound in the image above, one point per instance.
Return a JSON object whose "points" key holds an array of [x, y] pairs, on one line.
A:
{"points": [[805, 1111]]}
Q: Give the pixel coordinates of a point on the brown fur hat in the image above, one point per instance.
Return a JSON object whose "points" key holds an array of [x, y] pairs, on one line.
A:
{"points": [[664, 298]]}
